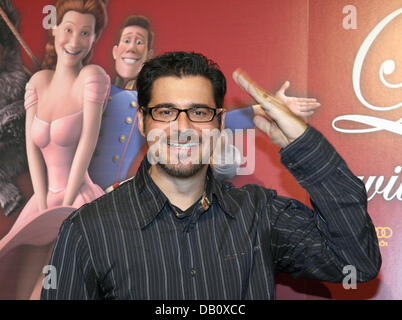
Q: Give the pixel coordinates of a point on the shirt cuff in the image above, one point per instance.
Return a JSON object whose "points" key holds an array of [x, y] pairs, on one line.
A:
{"points": [[310, 158]]}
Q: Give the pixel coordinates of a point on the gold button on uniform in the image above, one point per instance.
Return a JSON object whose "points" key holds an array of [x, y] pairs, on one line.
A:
{"points": [[122, 139], [133, 104], [129, 120], [116, 158]]}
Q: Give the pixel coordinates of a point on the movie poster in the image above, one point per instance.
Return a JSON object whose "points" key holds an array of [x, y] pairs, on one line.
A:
{"points": [[347, 54]]}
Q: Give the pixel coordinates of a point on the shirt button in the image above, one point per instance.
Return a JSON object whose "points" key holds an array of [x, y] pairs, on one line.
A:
{"points": [[133, 104], [116, 158], [122, 139], [129, 120], [193, 272]]}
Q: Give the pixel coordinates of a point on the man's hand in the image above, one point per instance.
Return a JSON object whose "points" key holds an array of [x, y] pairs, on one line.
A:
{"points": [[302, 107], [274, 118]]}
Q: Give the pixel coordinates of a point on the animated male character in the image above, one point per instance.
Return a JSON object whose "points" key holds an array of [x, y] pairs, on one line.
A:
{"points": [[119, 140]]}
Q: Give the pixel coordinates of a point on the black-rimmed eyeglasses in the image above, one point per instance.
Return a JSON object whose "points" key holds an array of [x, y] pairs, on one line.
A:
{"points": [[195, 114]]}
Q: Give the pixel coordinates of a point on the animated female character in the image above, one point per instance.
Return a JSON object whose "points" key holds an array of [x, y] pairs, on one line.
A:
{"points": [[64, 106]]}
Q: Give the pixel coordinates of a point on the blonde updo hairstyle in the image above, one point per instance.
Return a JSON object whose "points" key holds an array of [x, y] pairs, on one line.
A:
{"points": [[95, 7]]}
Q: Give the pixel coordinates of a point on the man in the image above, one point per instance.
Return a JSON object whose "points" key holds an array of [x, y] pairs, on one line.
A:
{"points": [[175, 232]]}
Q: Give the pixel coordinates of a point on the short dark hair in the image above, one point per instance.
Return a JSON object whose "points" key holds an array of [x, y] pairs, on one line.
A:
{"points": [[139, 21], [180, 64]]}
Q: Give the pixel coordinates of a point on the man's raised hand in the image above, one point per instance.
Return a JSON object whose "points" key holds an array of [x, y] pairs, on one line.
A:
{"points": [[274, 118]]}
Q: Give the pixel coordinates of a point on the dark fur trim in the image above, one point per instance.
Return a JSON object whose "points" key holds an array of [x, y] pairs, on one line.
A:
{"points": [[13, 159]]}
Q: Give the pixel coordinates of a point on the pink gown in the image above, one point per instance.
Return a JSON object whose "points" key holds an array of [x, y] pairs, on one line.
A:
{"points": [[58, 141]]}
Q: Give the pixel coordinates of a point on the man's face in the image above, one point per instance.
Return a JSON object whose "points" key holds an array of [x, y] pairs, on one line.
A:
{"points": [[132, 52], [181, 147]]}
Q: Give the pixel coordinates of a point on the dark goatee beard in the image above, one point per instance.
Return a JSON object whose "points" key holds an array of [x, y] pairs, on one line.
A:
{"points": [[179, 172]]}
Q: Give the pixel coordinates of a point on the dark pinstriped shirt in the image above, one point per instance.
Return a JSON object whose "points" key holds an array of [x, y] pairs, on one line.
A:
{"points": [[130, 244]]}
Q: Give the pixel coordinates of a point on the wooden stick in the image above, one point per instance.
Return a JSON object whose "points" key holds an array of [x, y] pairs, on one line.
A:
{"points": [[17, 35]]}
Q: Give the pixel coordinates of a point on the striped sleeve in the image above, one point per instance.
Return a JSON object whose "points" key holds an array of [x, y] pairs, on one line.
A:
{"points": [[71, 260], [338, 232]]}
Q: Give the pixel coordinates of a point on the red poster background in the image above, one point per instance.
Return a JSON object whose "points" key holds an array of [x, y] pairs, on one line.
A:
{"points": [[297, 40], [332, 53]]}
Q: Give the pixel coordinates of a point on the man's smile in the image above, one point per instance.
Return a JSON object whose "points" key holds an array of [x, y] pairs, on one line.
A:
{"points": [[129, 60], [184, 145]]}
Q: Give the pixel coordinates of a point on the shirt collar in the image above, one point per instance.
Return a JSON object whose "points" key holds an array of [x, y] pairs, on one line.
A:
{"points": [[118, 82], [219, 192], [148, 191]]}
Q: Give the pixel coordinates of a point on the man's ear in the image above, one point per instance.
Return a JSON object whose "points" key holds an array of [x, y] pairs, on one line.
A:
{"points": [[114, 52], [141, 117], [223, 116]]}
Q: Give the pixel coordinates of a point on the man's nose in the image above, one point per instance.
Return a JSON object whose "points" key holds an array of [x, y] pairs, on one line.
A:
{"points": [[132, 46], [183, 122]]}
